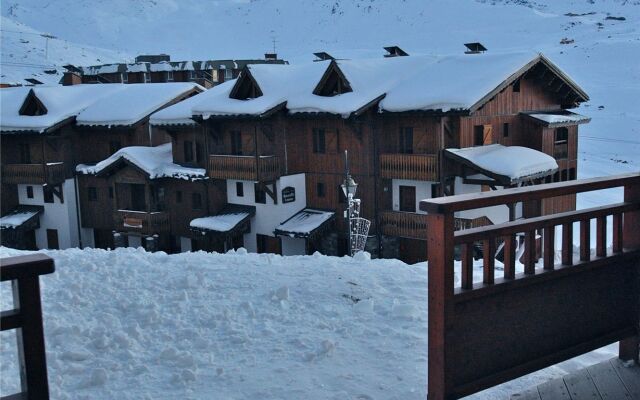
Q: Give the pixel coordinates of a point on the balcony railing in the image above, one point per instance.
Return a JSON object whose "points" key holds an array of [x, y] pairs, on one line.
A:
{"points": [[141, 221], [246, 168], [37, 174], [498, 326], [469, 223], [404, 224], [419, 167]]}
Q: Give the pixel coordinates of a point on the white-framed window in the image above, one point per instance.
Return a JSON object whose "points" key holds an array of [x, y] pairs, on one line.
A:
{"points": [[192, 74], [214, 75], [169, 76], [124, 77], [228, 74], [147, 77]]}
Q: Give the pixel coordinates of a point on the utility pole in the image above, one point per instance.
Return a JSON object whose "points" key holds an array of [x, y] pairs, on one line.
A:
{"points": [[47, 36]]}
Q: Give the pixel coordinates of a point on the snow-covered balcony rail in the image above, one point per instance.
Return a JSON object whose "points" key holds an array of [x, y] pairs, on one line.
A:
{"points": [[485, 333], [141, 221], [422, 167], [26, 318], [265, 168], [37, 174]]}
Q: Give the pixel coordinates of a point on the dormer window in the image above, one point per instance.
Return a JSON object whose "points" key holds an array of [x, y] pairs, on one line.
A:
{"points": [[32, 106], [333, 82], [169, 76], [246, 87], [147, 77], [124, 77]]}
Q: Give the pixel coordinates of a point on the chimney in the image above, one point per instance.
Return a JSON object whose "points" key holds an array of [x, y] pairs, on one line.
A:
{"points": [[395, 51], [323, 56], [270, 56], [474, 48], [71, 78], [153, 58]]}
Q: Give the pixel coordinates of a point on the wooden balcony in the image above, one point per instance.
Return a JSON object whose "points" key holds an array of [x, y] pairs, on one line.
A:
{"points": [[419, 167], [404, 224], [246, 168], [470, 223], [37, 174], [139, 221]]}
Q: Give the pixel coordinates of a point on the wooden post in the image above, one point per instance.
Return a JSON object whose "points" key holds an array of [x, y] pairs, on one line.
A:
{"points": [[440, 297], [629, 348]]}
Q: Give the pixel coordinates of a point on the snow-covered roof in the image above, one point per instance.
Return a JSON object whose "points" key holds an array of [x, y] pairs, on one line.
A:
{"points": [[133, 103], [508, 164], [18, 217], [304, 223], [219, 223], [559, 118], [90, 104], [179, 113], [157, 162]]}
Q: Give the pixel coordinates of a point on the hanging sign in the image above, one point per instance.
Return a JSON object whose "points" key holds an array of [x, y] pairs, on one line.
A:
{"points": [[288, 194]]}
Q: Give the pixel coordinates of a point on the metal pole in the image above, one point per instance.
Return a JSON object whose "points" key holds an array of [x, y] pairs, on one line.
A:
{"points": [[349, 199]]}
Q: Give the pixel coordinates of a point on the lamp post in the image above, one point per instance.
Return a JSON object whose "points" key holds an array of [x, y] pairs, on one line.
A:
{"points": [[349, 187]]}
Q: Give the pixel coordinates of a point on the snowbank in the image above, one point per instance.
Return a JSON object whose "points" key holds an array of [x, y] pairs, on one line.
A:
{"points": [[127, 324]]}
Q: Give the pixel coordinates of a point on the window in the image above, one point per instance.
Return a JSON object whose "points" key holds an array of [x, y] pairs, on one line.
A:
{"points": [[138, 197], [30, 192], [572, 174], [516, 86], [505, 130], [236, 143], [228, 74], [25, 153], [169, 76], [52, 239], [561, 143], [406, 140], [320, 191], [319, 144], [188, 151], [434, 190], [239, 189], [196, 201], [408, 198], [114, 146], [48, 194], [260, 195], [199, 152], [124, 77], [179, 196], [147, 77], [110, 192], [92, 194], [564, 175]]}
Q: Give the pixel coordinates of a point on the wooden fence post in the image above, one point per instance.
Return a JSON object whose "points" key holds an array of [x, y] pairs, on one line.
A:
{"points": [[440, 297], [630, 348]]}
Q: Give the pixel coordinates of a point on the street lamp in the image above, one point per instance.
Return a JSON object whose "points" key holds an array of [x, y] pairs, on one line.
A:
{"points": [[349, 187]]}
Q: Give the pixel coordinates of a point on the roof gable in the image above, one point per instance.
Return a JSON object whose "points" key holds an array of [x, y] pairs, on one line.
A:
{"points": [[245, 87], [333, 82], [32, 106]]}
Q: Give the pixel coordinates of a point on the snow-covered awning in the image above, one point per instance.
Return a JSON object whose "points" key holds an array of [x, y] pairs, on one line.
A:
{"points": [[305, 223], [21, 216], [558, 118], [231, 220], [508, 165], [156, 162]]}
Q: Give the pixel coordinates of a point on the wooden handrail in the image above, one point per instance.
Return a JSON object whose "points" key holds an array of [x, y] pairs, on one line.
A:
{"points": [[33, 173], [267, 168], [26, 317], [489, 331]]}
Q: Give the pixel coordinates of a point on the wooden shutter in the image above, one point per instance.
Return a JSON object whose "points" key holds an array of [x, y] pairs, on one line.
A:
{"points": [[487, 134]]}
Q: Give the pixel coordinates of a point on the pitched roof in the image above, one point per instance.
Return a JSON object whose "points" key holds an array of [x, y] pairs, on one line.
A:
{"points": [[90, 104], [156, 162], [461, 83]]}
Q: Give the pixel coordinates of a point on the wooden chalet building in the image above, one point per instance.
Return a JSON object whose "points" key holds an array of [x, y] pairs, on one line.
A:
{"points": [[46, 131], [160, 68]]}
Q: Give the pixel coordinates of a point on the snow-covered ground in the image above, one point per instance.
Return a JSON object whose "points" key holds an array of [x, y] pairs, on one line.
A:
{"points": [[127, 324]]}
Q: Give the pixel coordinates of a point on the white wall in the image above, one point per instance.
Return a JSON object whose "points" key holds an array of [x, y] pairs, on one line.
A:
{"points": [[268, 215], [185, 244], [56, 215], [88, 238], [423, 191], [497, 214], [293, 246]]}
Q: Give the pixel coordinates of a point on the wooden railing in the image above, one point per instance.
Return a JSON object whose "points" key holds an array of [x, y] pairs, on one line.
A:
{"points": [[468, 223], [421, 167], [37, 174], [26, 318], [140, 221], [489, 332], [267, 168], [404, 224]]}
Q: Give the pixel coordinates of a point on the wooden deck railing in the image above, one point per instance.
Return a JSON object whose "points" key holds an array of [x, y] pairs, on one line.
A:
{"points": [[37, 174], [489, 332], [267, 168], [421, 167], [468, 223], [26, 318], [404, 224], [140, 221]]}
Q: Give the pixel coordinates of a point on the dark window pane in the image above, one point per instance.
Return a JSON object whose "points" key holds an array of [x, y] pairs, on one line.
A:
{"points": [[239, 189], [48, 195], [320, 189], [260, 195], [30, 192], [406, 140], [319, 141], [505, 130], [196, 200]]}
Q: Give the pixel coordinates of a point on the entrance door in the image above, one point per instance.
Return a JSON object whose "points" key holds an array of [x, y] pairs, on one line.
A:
{"points": [[408, 198], [52, 239]]}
